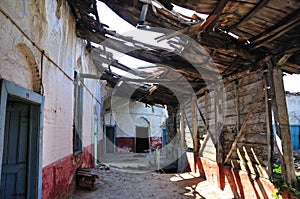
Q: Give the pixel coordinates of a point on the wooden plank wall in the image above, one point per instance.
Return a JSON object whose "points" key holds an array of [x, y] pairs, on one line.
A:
{"points": [[240, 95]]}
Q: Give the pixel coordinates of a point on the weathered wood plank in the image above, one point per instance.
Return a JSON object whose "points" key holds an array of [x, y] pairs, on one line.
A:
{"points": [[248, 138], [243, 127], [251, 13], [277, 30]]}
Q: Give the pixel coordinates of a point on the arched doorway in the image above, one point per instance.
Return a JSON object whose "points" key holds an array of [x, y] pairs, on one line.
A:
{"points": [[21, 120]]}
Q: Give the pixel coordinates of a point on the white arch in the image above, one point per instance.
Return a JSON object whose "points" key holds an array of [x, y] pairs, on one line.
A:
{"points": [[142, 122], [31, 63]]}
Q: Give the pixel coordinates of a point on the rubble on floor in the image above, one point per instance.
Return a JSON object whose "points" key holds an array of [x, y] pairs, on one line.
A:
{"points": [[119, 184]]}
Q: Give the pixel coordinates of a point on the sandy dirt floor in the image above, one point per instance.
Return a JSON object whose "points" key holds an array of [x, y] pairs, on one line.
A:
{"points": [[121, 184]]}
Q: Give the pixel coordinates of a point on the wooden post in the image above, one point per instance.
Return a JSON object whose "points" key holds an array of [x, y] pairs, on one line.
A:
{"points": [[237, 107], [270, 137], [206, 110], [182, 129], [187, 123], [182, 160], [207, 136], [216, 137], [195, 126], [282, 123]]}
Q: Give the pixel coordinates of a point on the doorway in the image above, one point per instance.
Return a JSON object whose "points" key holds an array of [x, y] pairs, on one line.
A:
{"points": [[110, 141], [142, 140], [20, 142]]}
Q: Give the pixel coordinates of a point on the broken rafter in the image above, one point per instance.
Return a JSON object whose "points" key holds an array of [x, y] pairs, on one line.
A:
{"points": [[98, 59], [191, 30], [216, 41], [215, 14], [131, 10], [175, 62], [196, 29], [283, 26]]}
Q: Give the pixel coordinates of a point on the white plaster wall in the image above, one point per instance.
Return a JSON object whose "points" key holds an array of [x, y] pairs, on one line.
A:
{"points": [[56, 36], [128, 116], [293, 106], [13, 60]]}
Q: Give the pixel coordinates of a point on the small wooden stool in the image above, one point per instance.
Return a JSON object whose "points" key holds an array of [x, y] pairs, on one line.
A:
{"points": [[86, 178]]}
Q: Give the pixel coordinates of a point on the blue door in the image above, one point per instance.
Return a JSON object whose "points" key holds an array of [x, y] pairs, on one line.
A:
{"points": [[295, 136], [164, 138], [15, 154]]}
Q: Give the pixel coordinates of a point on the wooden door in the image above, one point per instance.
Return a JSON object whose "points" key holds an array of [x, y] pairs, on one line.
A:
{"points": [[15, 154]]}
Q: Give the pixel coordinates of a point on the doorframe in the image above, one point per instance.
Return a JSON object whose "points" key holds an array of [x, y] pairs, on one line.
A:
{"points": [[115, 138], [30, 97]]}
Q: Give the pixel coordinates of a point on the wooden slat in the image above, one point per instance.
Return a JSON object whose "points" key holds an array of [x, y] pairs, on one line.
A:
{"points": [[252, 12], [283, 26], [243, 127]]}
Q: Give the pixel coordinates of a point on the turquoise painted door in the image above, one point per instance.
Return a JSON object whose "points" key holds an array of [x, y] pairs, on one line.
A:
{"points": [[15, 154], [295, 135]]}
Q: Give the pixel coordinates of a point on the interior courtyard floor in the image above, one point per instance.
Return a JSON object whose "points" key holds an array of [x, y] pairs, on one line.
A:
{"points": [[137, 183]]}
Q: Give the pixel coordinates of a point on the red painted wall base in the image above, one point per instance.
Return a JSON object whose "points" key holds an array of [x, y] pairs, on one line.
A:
{"points": [[242, 184], [127, 144], [58, 180]]}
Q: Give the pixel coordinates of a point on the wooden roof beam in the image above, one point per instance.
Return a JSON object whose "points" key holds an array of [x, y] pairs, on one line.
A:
{"points": [[290, 46], [283, 26], [252, 12], [215, 14], [175, 62]]}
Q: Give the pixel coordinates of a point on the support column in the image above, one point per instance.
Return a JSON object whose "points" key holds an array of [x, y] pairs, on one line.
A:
{"points": [[182, 129], [182, 159], [218, 124], [195, 127], [171, 131], [282, 125], [270, 134]]}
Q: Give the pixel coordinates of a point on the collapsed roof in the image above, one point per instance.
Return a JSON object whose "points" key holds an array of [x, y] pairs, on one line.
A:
{"points": [[236, 38]]}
